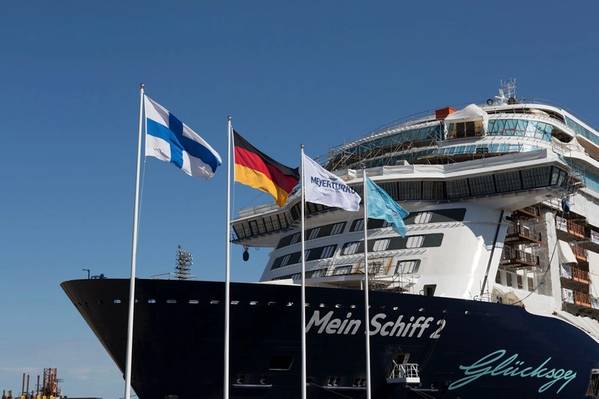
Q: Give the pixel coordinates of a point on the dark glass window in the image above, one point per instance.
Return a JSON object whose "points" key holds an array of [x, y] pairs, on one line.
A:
{"points": [[508, 181]]}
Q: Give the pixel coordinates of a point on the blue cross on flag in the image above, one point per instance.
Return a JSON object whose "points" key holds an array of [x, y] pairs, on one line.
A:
{"points": [[170, 140]]}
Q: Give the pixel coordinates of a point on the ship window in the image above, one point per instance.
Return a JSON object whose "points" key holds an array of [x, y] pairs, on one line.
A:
{"points": [[508, 181], [408, 190], [328, 251], [151, 300], [482, 185], [407, 266], [498, 277], [193, 301], [457, 189], [285, 260], [268, 223], [381, 245], [423, 217], [318, 273], [280, 363], [350, 248], [313, 233], [375, 268], [254, 227], [429, 289], [341, 270], [519, 281], [358, 224], [432, 190], [116, 301], [536, 177], [338, 228], [171, 301], [414, 241], [307, 253], [295, 238], [508, 279], [530, 282], [214, 302]]}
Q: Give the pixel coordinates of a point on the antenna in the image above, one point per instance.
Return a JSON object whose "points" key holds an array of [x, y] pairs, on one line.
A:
{"points": [[183, 264]]}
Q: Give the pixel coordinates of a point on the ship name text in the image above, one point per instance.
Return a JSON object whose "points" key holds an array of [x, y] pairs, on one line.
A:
{"points": [[497, 364], [402, 326]]}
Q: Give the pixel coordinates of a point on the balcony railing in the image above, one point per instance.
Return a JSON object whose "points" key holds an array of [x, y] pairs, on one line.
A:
{"points": [[582, 299], [520, 233], [580, 275], [516, 257], [579, 252]]}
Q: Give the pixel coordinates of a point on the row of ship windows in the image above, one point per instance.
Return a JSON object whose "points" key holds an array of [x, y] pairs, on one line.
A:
{"points": [[354, 247], [436, 216], [471, 149], [520, 127], [287, 304], [495, 127], [376, 267], [582, 131], [497, 183]]}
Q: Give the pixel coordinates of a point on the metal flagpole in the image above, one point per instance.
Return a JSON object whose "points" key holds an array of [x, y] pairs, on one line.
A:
{"points": [[366, 304], [228, 263], [303, 304], [129, 350]]}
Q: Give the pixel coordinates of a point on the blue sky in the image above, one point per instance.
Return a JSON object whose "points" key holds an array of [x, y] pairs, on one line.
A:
{"points": [[317, 73]]}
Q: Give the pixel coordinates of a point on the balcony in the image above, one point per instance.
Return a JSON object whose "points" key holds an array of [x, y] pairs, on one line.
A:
{"points": [[579, 275], [566, 227], [527, 213], [518, 259], [591, 242], [582, 299], [520, 234], [579, 252]]}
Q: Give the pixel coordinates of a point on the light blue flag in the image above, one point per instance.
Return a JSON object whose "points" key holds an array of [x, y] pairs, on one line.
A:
{"points": [[382, 206]]}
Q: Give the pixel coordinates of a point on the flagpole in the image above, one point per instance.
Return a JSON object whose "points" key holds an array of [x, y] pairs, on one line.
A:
{"points": [[228, 263], [366, 304], [129, 350], [303, 299]]}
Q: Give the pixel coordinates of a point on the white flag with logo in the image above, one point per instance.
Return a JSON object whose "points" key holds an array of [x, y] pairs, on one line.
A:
{"points": [[323, 187]]}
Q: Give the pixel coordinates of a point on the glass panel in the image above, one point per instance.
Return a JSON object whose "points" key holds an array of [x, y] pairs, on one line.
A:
{"points": [[481, 185], [457, 189]]}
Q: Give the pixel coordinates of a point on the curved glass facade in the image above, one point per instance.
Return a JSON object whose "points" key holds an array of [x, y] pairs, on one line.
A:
{"points": [[413, 156], [582, 131], [419, 136], [520, 127]]}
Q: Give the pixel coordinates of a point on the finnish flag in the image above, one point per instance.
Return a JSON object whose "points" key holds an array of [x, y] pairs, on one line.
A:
{"points": [[168, 139]]}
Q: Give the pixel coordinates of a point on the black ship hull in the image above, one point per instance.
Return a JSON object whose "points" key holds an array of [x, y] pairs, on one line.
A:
{"points": [[463, 349]]}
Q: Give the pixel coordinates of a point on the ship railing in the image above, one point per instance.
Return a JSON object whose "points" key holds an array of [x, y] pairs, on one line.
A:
{"points": [[404, 373]]}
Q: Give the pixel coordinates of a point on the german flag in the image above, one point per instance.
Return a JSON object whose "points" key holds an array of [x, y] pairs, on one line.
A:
{"points": [[257, 170]]}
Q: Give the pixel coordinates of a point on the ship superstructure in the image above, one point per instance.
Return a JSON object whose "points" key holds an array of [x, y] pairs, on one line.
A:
{"points": [[493, 292], [504, 201]]}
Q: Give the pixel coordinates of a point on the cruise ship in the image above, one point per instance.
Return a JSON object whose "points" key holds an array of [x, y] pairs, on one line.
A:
{"points": [[493, 292]]}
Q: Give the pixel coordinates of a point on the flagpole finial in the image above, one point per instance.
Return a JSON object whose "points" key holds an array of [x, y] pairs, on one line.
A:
{"points": [[229, 118], [141, 86], [302, 146]]}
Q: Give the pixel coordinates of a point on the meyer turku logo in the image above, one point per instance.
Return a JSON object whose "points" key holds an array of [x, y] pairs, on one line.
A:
{"points": [[332, 183]]}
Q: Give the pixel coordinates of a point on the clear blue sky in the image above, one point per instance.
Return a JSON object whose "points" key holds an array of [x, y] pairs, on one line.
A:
{"points": [[310, 72]]}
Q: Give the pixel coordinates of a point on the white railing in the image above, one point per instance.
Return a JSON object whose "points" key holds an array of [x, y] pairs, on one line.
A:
{"points": [[405, 372]]}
